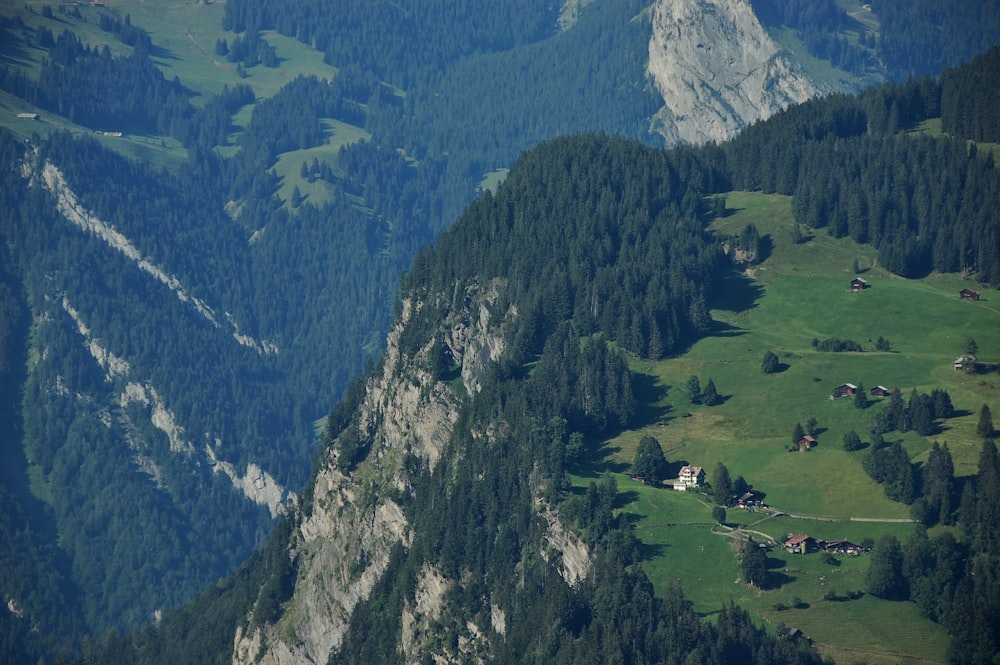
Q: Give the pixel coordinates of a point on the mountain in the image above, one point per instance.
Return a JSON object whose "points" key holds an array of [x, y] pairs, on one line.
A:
{"points": [[455, 512], [202, 246]]}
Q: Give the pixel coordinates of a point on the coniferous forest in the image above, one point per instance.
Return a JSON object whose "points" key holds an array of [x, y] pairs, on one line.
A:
{"points": [[120, 392]]}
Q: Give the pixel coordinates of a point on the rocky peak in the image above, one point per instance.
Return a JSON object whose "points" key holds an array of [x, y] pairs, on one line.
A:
{"points": [[717, 70]]}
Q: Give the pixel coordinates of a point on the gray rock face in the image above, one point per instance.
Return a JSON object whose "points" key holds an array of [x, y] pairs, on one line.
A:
{"points": [[717, 70]]}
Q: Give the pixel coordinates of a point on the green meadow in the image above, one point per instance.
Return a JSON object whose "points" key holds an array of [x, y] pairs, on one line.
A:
{"points": [[801, 291]]}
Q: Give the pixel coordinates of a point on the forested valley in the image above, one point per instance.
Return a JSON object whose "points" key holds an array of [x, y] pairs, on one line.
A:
{"points": [[231, 320]]}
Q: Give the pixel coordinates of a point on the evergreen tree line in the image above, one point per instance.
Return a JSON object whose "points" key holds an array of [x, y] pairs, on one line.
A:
{"points": [[925, 203], [953, 582], [970, 99]]}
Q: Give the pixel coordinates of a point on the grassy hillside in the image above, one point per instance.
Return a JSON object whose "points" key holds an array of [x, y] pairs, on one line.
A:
{"points": [[184, 35], [800, 292]]}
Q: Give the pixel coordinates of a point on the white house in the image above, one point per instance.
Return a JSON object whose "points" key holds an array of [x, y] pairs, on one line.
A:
{"points": [[689, 476]]}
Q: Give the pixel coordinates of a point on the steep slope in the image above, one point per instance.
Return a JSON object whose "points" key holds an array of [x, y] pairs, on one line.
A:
{"points": [[440, 420]]}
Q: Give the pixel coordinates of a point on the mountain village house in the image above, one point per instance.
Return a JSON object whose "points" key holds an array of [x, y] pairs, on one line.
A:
{"points": [[842, 547], [858, 284], [806, 442], [689, 476], [964, 362], [880, 391], [968, 294], [845, 390], [751, 499], [803, 544]]}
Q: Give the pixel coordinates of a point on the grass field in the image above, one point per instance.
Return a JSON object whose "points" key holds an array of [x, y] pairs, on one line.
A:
{"points": [[799, 292]]}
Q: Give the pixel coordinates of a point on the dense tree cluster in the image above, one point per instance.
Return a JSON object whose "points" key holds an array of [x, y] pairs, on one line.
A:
{"points": [[913, 34], [836, 345], [401, 42], [969, 99], [595, 229]]}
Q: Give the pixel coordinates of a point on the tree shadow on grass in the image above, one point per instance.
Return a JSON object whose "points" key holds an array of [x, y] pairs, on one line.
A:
{"points": [[737, 293], [777, 575], [649, 393], [599, 462], [649, 551], [625, 498], [777, 579]]}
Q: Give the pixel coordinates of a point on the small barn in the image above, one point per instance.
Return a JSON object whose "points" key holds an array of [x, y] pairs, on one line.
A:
{"points": [[968, 294], [806, 442], [858, 284], [880, 391], [800, 544]]}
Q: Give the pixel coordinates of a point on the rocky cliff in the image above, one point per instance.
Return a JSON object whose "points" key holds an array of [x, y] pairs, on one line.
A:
{"points": [[342, 541], [717, 70]]}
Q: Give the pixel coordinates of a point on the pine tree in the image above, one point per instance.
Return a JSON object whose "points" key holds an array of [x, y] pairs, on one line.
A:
{"points": [[861, 397], [884, 578], [985, 426], [719, 515], [722, 485], [770, 363], [710, 396], [797, 433], [852, 441], [649, 462], [693, 389], [753, 565]]}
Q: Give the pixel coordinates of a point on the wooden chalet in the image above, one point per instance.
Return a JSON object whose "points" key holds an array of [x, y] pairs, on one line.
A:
{"points": [[968, 294], [858, 284], [751, 499], [801, 544], [845, 390], [880, 391], [806, 442], [842, 547]]}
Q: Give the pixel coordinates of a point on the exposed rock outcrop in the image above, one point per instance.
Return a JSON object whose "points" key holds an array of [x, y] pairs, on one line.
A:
{"points": [[717, 70], [344, 537]]}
